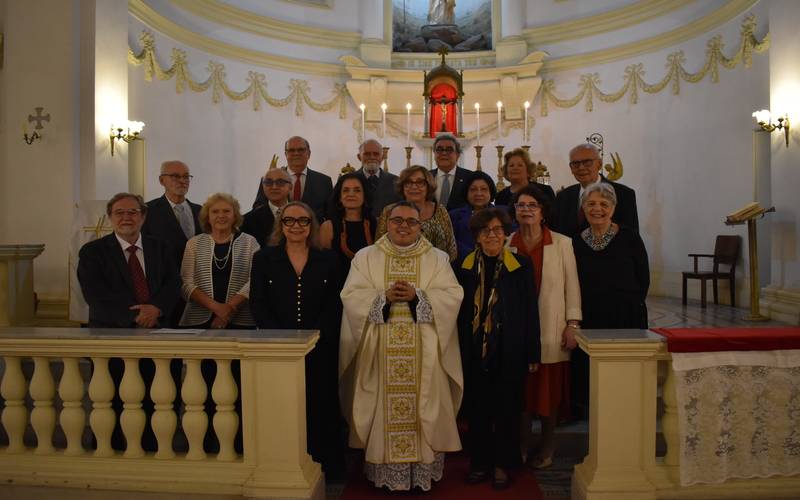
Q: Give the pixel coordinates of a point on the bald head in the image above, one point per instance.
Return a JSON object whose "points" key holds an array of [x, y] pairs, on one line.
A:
{"points": [[175, 178], [298, 151]]}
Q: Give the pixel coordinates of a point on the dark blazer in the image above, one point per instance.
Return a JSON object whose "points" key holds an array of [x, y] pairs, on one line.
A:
{"points": [[258, 223], [107, 286], [317, 192], [384, 192], [458, 195], [162, 224], [565, 210], [505, 196], [515, 316]]}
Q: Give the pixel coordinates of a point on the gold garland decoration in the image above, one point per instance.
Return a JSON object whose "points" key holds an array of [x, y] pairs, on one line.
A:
{"points": [[256, 89], [634, 73]]}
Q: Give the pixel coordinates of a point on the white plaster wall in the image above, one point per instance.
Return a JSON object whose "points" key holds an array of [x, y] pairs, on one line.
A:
{"points": [[784, 17], [36, 182]]}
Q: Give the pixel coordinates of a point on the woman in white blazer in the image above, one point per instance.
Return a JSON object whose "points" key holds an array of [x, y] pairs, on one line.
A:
{"points": [[556, 275]]}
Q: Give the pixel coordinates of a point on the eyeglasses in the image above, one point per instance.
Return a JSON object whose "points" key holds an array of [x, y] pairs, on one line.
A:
{"points": [[131, 212], [409, 221], [291, 221], [582, 163], [495, 230], [527, 206], [179, 177], [443, 150], [296, 150], [417, 183], [275, 182]]}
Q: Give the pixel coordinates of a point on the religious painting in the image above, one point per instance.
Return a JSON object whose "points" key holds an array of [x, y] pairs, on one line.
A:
{"points": [[430, 25]]}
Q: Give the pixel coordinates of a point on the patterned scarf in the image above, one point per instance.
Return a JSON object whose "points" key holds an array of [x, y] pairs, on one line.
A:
{"points": [[480, 293]]}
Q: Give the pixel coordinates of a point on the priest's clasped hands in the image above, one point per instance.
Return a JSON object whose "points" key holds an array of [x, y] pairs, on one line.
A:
{"points": [[401, 291]]}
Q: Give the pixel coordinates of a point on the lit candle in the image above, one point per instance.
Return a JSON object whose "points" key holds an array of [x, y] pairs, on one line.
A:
{"points": [[478, 123], [362, 107], [383, 109], [408, 124], [527, 105], [499, 117]]}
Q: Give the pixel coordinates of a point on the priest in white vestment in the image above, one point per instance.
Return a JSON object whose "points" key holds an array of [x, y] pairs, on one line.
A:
{"points": [[399, 360]]}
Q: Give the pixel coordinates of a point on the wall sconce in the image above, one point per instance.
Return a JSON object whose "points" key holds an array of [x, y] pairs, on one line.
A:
{"points": [[764, 120], [132, 134]]}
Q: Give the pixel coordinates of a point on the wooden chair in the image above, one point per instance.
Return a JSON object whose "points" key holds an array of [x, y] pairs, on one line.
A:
{"points": [[726, 252]]}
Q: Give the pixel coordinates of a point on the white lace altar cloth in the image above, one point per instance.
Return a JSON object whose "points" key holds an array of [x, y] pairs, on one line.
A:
{"points": [[738, 414]]}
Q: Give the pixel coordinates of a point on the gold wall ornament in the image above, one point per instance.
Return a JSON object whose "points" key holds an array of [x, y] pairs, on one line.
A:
{"points": [[633, 79], [257, 85]]}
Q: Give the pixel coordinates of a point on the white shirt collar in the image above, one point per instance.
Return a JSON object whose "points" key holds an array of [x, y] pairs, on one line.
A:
{"points": [[303, 173], [368, 175], [184, 203], [124, 244], [275, 209]]}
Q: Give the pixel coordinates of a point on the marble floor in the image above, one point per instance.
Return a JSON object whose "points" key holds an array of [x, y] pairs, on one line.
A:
{"points": [[665, 312]]}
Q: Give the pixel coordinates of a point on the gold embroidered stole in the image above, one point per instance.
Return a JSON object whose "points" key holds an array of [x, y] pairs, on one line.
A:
{"points": [[402, 359]]}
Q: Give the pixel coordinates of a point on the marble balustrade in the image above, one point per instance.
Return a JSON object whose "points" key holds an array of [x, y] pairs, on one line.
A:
{"points": [[628, 371], [274, 463]]}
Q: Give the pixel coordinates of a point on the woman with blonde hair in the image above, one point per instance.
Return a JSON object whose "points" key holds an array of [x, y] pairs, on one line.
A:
{"points": [[518, 170]]}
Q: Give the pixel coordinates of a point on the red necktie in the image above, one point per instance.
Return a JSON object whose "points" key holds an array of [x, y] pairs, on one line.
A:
{"points": [[297, 194], [140, 290]]}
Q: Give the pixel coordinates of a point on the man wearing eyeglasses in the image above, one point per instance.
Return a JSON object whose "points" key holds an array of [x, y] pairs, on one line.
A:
{"points": [[399, 361], [449, 177], [276, 185], [380, 185], [171, 217], [586, 164], [129, 280], [309, 186]]}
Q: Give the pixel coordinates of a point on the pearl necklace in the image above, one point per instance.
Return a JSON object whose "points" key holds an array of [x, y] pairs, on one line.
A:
{"points": [[222, 262]]}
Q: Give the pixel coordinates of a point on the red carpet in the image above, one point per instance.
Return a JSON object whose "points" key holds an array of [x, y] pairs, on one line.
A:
{"points": [[730, 339], [451, 487]]}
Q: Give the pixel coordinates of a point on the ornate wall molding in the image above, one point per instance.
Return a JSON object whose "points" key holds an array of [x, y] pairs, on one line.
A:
{"points": [[269, 27], [669, 39], [256, 90], [624, 17], [634, 74]]}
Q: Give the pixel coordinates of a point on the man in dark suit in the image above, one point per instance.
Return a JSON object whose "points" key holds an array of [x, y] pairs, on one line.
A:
{"points": [[129, 280], [259, 222], [380, 184], [171, 217], [311, 187], [449, 177], [585, 163]]}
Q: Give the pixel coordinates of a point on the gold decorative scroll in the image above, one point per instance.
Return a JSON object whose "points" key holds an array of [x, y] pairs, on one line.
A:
{"points": [[256, 90], [676, 73]]}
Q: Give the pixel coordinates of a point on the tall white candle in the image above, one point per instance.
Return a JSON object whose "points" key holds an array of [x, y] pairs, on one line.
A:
{"points": [[383, 110], [408, 124], [525, 136], [478, 123], [362, 107], [499, 118]]}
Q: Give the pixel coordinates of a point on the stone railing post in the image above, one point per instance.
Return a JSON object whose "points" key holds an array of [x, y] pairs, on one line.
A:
{"points": [[622, 415]]}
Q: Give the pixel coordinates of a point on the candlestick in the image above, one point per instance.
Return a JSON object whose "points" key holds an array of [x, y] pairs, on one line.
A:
{"points": [[408, 124], [385, 159], [409, 149], [362, 107], [499, 118], [500, 170], [478, 122], [525, 134], [478, 157], [383, 109]]}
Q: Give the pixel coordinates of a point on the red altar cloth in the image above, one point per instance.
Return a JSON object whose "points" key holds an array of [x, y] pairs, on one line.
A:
{"points": [[730, 339]]}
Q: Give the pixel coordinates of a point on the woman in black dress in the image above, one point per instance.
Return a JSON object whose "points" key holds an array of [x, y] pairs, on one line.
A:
{"points": [[498, 329], [614, 275], [295, 285], [518, 170], [351, 226]]}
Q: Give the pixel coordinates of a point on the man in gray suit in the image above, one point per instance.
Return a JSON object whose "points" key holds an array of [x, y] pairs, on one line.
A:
{"points": [[380, 184]]}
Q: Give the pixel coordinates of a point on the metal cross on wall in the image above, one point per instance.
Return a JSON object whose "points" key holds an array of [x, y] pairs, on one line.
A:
{"points": [[39, 118]]}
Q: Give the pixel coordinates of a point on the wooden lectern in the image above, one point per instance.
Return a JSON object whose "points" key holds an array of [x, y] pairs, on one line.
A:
{"points": [[751, 213]]}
